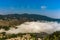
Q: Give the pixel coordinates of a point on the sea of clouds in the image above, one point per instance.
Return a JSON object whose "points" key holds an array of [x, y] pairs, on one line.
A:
{"points": [[34, 27]]}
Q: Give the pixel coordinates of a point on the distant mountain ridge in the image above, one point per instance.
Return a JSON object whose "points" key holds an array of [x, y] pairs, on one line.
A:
{"points": [[31, 17]]}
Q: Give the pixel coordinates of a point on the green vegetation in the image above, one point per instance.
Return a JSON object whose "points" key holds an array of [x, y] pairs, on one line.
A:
{"points": [[5, 27], [54, 36]]}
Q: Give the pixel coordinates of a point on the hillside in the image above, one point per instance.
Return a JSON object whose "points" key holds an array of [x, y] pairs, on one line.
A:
{"points": [[33, 17], [17, 19]]}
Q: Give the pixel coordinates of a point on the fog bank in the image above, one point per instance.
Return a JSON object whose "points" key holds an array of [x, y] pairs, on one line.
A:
{"points": [[35, 27]]}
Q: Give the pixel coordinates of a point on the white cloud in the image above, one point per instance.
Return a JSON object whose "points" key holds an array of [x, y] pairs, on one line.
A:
{"points": [[43, 7]]}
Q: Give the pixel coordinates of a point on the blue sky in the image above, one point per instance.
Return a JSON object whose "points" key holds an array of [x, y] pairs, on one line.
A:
{"points": [[49, 8]]}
